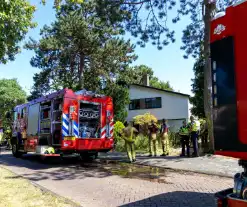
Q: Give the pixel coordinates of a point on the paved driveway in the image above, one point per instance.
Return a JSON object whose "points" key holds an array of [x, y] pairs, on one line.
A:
{"points": [[112, 184]]}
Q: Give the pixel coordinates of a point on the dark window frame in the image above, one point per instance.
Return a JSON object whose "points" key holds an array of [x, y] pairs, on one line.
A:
{"points": [[133, 106], [147, 103]]}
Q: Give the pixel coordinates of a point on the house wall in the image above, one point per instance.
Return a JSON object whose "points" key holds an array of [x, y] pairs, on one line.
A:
{"points": [[175, 108]]}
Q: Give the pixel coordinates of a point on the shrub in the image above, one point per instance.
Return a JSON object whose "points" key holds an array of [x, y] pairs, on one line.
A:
{"points": [[174, 139], [143, 121], [118, 127], [119, 146], [142, 142]]}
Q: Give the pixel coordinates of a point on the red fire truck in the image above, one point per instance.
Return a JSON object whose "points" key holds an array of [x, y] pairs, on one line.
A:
{"points": [[64, 122], [229, 74]]}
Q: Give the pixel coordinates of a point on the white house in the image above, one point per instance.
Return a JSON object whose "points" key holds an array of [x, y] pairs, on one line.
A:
{"points": [[163, 104]]}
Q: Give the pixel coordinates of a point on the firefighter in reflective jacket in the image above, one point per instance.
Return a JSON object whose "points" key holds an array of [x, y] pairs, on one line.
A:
{"points": [[153, 129], [128, 135], [164, 137], [185, 139], [194, 131]]}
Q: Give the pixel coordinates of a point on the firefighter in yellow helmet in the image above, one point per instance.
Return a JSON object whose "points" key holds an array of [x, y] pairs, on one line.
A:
{"points": [[128, 134]]}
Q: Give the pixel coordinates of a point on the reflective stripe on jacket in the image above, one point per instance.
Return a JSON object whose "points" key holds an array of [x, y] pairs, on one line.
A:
{"points": [[184, 130]]}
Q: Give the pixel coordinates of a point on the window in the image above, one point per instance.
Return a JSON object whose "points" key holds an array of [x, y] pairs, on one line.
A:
{"points": [[23, 113], [134, 104], [147, 103], [152, 103]]}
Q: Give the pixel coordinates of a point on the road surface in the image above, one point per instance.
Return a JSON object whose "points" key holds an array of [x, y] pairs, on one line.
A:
{"points": [[105, 184]]}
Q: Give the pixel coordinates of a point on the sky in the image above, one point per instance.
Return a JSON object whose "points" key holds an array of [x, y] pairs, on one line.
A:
{"points": [[168, 64]]}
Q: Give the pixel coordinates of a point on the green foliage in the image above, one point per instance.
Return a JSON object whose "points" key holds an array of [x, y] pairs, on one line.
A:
{"points": [[118, 127], [156, 83], [150, 26], [148, 20], [174, 139], [137, 73], [58, 3], [120, 97], [15, 20], [79, 50], [142, 143], [11, 94], [198, 89], [144, 119]]}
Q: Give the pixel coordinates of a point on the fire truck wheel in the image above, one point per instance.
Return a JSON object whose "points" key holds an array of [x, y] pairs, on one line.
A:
{"points": [[88, 156], [15, 150], [96, 155]]}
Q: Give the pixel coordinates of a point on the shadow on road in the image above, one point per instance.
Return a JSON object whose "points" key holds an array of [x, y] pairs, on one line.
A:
{"points": [[176, 199], [72, 168]]}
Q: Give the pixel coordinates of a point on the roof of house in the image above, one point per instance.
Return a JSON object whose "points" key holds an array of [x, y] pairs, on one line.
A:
{"points": [[167, 91]]}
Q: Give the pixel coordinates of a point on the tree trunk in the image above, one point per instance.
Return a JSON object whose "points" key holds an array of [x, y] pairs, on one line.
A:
{"points": [[207, 74], [81, 70]]}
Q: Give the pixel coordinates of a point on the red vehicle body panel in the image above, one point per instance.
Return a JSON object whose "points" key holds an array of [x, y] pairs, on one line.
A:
{"points": [[232, 24], [77, 144]]}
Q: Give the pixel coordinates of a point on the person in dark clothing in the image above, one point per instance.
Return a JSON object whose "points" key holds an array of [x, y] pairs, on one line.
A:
{"points": [[185, 139], [194, 131]]}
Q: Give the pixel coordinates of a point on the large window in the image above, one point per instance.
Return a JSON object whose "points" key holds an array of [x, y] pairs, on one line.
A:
{"points": [[145, 103], [152, 103]]}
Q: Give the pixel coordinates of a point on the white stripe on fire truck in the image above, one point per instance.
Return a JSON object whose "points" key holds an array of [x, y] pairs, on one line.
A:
{"points": [[64, 133], [112, 127], [103, 132], [66, 117], [65, 125], [76, 130]]}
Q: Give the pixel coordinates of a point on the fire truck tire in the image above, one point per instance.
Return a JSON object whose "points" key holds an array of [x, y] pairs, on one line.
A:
{"points": [[88, 156], [15, 150], [96, 155], [43, 159]]}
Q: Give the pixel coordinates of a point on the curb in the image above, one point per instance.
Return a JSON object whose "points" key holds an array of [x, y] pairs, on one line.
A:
{"points": [[43, 189]]}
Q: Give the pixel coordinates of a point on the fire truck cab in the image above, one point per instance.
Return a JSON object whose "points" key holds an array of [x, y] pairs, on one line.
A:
{"points": [[64, 122], [229, 76]]}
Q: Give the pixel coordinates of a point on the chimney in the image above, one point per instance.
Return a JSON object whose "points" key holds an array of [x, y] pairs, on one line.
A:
{"points": [[146, 79]]}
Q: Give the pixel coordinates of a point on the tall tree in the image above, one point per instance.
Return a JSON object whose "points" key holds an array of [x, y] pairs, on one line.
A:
{"points": [[80, 51], [198, 88], [136, 74], [11, 94], [77, 44], [15, 20]]}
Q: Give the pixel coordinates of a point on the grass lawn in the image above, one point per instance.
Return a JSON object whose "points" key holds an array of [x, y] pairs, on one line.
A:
{"points": [[16, 191]]}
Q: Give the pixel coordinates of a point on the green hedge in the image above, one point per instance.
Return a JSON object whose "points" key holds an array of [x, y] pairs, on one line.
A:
{"points": [[142, 142]]}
